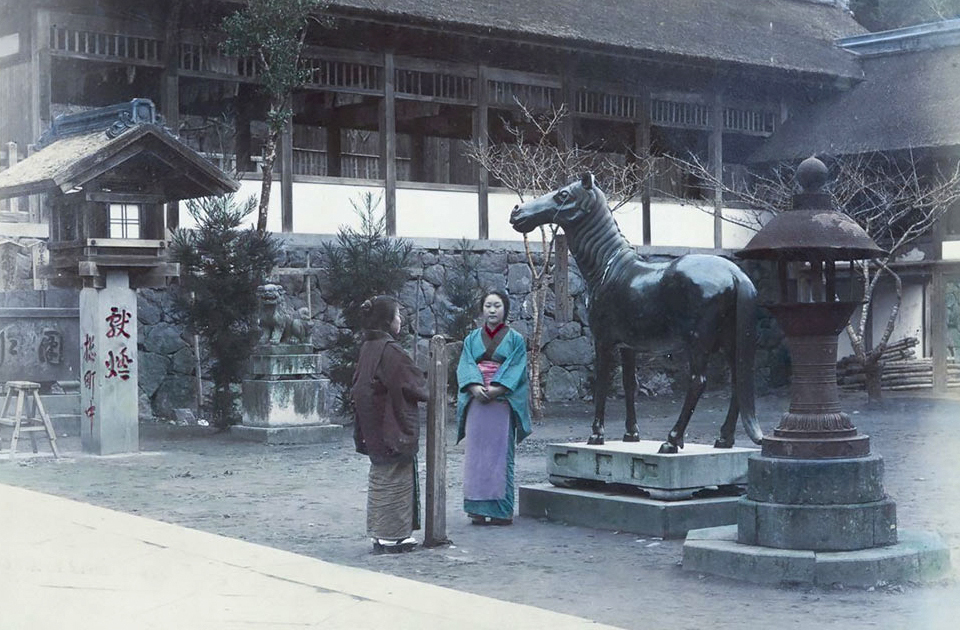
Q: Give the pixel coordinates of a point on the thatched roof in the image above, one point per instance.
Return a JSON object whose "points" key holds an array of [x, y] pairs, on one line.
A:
{"points": [[74, 160], [794, 35], [906, 101]]}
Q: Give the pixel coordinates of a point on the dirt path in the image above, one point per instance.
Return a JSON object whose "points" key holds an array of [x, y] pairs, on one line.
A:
{"points": [[311, 500]]}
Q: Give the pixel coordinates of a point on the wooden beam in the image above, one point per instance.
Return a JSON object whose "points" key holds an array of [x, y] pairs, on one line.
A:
{"points": [[481, 135], [286, 177], [715, 149], [388, 144]]}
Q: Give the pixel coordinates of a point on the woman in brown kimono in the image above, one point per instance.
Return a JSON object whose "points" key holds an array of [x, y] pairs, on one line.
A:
{"points": [[386, 389]]}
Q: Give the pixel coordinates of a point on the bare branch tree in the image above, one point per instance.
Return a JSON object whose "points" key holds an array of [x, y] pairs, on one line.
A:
{"points": [[897, 199], [534, 161]]}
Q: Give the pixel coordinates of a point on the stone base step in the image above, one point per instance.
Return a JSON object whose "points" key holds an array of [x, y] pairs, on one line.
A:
{"points": [[916, 557], [626, 513], [301, 434]]}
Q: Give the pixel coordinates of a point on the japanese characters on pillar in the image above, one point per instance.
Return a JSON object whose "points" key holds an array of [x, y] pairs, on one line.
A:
{"points": [[108, 388]]}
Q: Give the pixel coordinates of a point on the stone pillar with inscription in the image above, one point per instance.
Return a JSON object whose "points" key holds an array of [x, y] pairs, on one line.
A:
{"points": [[108, 366]]}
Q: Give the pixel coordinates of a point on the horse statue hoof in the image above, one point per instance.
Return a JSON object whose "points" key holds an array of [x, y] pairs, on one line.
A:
{"points": [[668, 448], [723, 443], [632, 436], [595, 439]]}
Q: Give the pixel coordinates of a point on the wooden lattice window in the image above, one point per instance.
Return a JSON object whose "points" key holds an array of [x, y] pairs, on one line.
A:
{"points": [[679, 113], [115, 45], [609, 105], [347, 75], [435, 85], [533, 96], [749, 120]]}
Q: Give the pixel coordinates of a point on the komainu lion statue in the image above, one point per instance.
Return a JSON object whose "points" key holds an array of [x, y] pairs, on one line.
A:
{"points": [[278, 321]]}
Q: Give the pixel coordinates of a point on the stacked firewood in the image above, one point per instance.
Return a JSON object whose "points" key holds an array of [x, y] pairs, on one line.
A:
{"points": [[902, 369]]}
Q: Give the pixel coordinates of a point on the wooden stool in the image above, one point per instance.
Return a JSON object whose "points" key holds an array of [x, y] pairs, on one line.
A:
{"points": [[38, 420]]}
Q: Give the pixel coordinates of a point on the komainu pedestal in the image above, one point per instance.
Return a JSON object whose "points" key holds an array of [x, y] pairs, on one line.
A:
{"points": [[285, 401], [631, 486]]}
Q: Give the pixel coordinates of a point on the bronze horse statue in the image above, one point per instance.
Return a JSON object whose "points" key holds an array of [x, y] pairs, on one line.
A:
{"points": [[705, 300]]}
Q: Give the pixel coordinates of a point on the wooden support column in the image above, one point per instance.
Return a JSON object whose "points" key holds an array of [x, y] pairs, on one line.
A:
{"points": [[481, 134], [562, 280], [40, 57], [170, 77], [388, 143], [417, 156], [435, 523], [938, 311], [170, 97], [641, 146], [13, 156], [286, 177], [569, 96], [334, 151], [715, 149]]}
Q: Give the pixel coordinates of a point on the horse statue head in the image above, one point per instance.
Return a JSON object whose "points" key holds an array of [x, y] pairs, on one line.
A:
{"points": [[564, 207]]}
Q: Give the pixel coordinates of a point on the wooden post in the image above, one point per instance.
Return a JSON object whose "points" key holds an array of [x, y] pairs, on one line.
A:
{"points": [[562, 280], [334, 150], [435, 523], [716, 168], [641, 146], [286, 177], [12, 158], [40, 58], [388, 144], [481, 131], [938, 311]]}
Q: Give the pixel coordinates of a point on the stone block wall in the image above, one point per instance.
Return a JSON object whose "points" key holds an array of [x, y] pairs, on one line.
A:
{"points": [[168, 362]]}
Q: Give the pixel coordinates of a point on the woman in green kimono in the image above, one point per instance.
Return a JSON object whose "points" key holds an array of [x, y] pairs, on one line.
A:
{"points": [[492, 413]]}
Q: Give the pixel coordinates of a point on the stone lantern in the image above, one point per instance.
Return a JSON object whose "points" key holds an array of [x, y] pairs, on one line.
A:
{"points": [[815, 509], [107, 175]]}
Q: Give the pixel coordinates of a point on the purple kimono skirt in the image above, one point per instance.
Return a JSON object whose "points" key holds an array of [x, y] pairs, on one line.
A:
{"points": [[487, 444]]}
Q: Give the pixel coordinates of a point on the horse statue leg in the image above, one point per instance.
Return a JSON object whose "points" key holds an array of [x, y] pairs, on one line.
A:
{"points": [[729, 426], [695, 386], [601, 385], [628, 360]]}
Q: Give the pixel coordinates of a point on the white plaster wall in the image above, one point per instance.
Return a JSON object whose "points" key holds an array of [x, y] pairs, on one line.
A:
{"points": [[951, 250], [437, 213], [323, 208], [682, 225], [909, 321], [500, 204], [629, 218]]}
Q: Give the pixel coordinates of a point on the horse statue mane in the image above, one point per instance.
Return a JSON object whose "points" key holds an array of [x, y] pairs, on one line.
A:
{"points": [[705, 301]]}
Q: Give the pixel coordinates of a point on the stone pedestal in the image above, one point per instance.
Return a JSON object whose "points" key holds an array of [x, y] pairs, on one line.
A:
{"points": [[285, 402], [630, 486], [109, 367]]}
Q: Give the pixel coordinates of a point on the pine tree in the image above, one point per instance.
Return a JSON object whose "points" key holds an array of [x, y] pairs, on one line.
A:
{"points": [[360, 264], [221, 267]]}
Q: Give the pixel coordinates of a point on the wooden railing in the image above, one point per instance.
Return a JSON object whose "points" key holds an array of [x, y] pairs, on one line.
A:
{"points": [[128, 48]]}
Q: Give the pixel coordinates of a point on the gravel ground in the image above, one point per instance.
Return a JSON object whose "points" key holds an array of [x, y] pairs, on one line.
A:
{"points": [[311, 500]]}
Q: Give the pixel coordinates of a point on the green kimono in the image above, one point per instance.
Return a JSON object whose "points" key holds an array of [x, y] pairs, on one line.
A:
{"points": [[492, 429]]}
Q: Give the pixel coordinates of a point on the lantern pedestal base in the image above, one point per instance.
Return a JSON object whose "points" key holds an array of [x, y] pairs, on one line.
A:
{"points": [[917, 556]]}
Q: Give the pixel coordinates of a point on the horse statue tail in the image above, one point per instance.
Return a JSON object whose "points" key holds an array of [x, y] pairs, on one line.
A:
{"points": [[745, 351]]}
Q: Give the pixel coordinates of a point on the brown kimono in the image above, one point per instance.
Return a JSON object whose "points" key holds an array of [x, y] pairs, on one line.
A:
{"points": [[386, 389]]}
